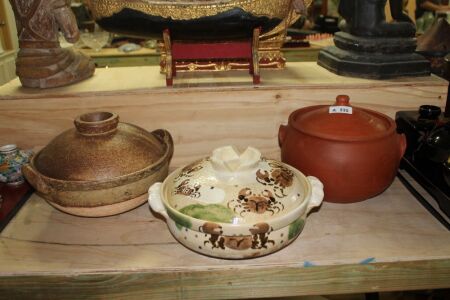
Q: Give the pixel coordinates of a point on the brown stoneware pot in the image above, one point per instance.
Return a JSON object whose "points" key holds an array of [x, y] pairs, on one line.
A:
{"points": [[355, 152], [101, 167]]}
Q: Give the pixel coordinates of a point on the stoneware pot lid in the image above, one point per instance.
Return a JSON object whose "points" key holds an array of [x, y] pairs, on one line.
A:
{"points": [[236, 188], [342, 121], [98, 148]]}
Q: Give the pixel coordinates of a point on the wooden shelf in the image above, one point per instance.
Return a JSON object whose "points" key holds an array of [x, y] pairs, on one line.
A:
{"points": [[112, 57], [386, 243], [203, 110]]}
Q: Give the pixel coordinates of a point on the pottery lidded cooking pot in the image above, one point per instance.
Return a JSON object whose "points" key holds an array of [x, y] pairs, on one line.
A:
{"points": [[101, 167], [355, 152], [233, 205]]}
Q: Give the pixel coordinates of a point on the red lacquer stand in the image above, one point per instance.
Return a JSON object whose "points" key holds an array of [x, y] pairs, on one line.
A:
{"points": [[12, 199], [217, 50]]}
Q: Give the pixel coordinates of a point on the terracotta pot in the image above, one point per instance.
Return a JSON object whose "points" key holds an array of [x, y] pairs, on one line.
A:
{"points": [[236, 205], [355, 152], [101, 167]]}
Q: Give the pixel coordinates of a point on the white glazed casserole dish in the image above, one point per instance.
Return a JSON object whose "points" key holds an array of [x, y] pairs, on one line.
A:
{"points": [[236, 206]]}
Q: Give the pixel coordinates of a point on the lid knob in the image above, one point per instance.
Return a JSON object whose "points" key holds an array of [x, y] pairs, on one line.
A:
{"points": [[8, 149], [229, 160], [343, 100], [429, 112], [96, 123]]}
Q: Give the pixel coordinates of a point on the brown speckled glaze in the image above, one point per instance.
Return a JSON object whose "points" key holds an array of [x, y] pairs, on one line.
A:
{"points": [[100, 163]]}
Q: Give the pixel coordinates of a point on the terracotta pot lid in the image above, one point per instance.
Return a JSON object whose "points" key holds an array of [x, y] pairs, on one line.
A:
{"points": [[98, 148], [236, 188], [342, 121]]}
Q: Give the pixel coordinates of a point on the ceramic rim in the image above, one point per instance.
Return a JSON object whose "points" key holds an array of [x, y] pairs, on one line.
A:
{"points": [[276, 223], [86, 185], [296, 126]]}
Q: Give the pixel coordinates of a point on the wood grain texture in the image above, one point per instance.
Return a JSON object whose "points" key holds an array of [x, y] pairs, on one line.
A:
{"points": [[386, 243], [112, 57], [231, 283], [203, 111]]}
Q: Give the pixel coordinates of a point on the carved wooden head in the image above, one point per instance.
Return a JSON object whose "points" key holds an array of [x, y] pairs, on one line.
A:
{"points": [[40, 20]]}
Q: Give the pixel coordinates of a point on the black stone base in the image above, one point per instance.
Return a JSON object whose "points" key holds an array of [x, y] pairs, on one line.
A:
{"points": [[346, 41], [373, 65]]}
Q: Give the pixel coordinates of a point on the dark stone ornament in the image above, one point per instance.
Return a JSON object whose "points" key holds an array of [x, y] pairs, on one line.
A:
{"points": [[41, 62], [370, 47]]}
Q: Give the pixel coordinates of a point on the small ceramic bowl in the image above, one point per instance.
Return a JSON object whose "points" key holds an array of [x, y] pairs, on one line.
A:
{"points": [[11, 161], [236, 206]]}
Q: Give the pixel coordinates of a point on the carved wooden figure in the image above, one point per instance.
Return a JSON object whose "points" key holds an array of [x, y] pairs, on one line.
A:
{"points": [[41, 62]]}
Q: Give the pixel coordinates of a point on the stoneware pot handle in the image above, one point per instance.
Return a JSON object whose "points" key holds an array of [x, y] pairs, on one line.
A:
{"points": [[282, 131], [317, 193], [35, 179], [403, 144], [165, 137], [155, 201]]}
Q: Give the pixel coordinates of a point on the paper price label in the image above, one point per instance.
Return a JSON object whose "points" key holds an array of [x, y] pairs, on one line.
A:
{"points": [[341, 110]]}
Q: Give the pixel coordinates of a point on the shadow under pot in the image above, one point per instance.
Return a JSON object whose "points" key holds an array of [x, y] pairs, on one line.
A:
{"points": [[101, 167], [355, 152]]}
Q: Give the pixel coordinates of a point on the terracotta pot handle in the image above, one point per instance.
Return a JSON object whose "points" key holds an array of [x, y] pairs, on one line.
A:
{"points": [[155, 201], [35, 179], [165, 137], [402, 143], [282, 132]]}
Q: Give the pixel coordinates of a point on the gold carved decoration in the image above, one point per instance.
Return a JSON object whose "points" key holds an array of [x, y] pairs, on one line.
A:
{"points": [[185, 10], [270, 44]]}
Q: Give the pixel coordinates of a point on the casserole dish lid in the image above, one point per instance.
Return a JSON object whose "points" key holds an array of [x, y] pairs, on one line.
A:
{"points": [[236, 188], [342, 121], [98, 148]]}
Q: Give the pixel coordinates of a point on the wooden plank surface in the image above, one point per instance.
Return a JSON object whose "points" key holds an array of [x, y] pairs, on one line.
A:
{"points": [[230, 283], [386, 243], [115, 52], [139, 80], [204, 110]]}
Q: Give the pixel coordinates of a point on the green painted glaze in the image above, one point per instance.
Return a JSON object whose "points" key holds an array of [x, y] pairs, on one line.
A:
{"points": [[295, 228], [212, 212], [179, 220]]}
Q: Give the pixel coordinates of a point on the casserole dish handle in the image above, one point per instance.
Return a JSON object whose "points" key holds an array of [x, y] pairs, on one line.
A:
{"points": [[316, 193], [35, 179], [155, 201]]}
